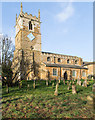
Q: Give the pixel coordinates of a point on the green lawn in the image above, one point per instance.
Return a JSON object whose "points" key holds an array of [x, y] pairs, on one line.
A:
{"points": [[41, 102]]}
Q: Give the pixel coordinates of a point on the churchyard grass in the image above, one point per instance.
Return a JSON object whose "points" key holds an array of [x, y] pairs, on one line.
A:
{"points": [[42, 103]]}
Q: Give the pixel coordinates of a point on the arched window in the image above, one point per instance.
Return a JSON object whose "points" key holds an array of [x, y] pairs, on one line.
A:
{"points": [[76, 61], [59, 60], [68, 61], [48, 58], [30, 25]]}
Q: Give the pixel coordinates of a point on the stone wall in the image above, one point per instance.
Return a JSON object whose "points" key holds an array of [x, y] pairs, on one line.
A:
{"points": [[63, 59]]}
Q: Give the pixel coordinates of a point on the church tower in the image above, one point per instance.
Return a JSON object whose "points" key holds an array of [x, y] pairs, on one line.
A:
{"points": [[27, 52]]}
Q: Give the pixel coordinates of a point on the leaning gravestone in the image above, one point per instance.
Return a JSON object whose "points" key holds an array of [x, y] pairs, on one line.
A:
{"points": [[56, 90]]}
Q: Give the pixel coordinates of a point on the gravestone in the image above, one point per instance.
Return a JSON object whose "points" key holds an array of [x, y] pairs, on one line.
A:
{"points": [[64, 81], [74, 79], [56, 90], [78, 81], [69, 86], [73, 82], [28, 85], [34, 84], [46, 82], [73, 89], [67, 82], [59, 79], [52, 84], [84, 83]]}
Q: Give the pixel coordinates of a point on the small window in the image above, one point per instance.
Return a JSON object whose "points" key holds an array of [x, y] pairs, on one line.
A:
{"points": [[76, 61], [48, 58], [83, 74], [59, 60], [74, 73], [68, 61], [54, 72], [30, 25]]}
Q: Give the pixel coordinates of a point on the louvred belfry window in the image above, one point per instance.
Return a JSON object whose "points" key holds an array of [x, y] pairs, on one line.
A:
{"points": [[30, 25]]}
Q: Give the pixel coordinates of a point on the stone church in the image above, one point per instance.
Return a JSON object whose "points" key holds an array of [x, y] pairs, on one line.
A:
{"points": [[30, 62]]}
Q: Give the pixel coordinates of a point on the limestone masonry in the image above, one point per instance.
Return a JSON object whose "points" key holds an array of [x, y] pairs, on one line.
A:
{"points": [[30, 62]]}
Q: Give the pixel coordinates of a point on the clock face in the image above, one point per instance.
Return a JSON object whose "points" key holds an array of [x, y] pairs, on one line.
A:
{"points": [[30, 36]]}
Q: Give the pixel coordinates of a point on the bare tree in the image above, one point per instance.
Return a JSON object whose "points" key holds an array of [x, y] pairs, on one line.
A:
{"points": [[23, 66], [7, 49]]}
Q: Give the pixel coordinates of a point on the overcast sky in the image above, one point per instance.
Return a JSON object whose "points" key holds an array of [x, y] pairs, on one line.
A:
{"points": [[67, 28]]}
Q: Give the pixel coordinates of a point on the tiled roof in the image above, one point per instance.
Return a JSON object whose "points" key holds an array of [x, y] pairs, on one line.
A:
{"points": [[65, 66], [88, 63]]}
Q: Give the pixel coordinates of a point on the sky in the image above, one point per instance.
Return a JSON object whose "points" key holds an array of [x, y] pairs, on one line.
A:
{"points": [[66, 28]]}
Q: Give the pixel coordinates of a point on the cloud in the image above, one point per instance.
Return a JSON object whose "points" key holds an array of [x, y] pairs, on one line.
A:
{"points": [[66, 13]]}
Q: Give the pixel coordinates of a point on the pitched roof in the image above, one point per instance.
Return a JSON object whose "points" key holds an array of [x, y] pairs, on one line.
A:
{"points": [[65, 66], [88, 63]]}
